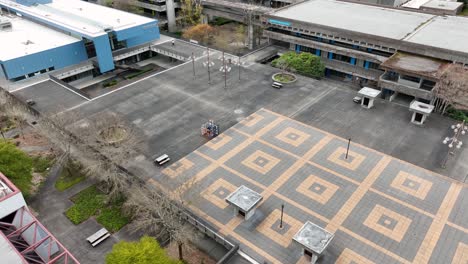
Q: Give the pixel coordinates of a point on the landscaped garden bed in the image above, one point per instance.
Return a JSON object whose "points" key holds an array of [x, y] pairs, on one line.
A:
{"points": [[92, 202]]}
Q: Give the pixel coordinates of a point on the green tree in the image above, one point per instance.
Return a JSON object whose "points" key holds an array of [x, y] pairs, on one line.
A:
{"points": [[303, 63], [146, 251], [16, 165]]}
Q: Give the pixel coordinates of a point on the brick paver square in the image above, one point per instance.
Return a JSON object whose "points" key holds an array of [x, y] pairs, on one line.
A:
{"points": [[374, 217], [451, 248], [318, 190], [253, 123], [459, 213], [293, 137], [412, 185], [222, 144], [359, 164], [261, 163]]}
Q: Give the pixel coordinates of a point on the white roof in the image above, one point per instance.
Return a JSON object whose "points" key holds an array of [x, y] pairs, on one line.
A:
{"points": [[26, 37], [369, 92], [379, 21], [443, 5], [83, 17], [8, 253], [446, 32], [415, 3]]}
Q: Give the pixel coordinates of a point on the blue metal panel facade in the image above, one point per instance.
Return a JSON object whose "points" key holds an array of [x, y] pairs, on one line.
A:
{"points": [[279, 22], [104, 53], [58, 58], [139, 35], [33, 2]]}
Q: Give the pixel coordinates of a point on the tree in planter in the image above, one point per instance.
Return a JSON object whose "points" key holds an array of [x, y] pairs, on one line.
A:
{"points": [[201, 33], [16, 165], [110, 143], [451, 89], [145, 251]]}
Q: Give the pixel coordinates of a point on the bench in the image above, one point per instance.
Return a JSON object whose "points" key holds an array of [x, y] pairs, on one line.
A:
{"points": [[96, 238], [277, 85], [162, 160]]}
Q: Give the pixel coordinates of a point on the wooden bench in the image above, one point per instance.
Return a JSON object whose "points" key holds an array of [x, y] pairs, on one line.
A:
{"points": [[96, 238], [162, 160], [277, 85]]}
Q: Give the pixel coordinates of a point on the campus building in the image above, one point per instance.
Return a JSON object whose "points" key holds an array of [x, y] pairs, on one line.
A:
{"points": [[400, 51], [23, 239], [39, 36]]}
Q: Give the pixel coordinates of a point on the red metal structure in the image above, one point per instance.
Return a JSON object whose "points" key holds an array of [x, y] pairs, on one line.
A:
{"points": [[31, 240]]}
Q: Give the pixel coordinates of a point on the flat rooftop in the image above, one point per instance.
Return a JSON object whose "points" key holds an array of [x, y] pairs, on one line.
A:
{"points": [[26, 37], [446, 32], [443, 5], [81, 16], [372, 20], [380, 209], [419, 65]]}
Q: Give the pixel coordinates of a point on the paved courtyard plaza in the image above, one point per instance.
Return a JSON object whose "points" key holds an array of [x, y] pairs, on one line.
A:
{"points": [[380, 209]]}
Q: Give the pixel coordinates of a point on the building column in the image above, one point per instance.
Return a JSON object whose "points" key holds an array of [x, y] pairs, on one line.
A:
{"points": [[250, 33], [171, 19]]}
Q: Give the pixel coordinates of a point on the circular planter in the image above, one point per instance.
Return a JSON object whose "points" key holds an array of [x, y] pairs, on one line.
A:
{"points": [[113, 135], [284, 77]]}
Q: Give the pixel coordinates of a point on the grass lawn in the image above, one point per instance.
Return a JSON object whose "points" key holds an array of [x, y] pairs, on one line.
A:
{"points": [[69, 176], [87, 204], [91, 202], [112, 218]]}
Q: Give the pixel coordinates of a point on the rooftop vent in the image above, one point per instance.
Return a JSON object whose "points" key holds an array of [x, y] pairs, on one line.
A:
{"points": [[27, 42], [5, 25]]}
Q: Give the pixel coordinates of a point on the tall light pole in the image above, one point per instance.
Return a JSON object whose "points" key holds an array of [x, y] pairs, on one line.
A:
{"points": [[208, 64], [193, 64], [239, 64], [458, 129], [225, 69]]}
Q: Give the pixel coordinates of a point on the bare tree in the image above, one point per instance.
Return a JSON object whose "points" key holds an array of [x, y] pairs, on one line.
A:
{"points": [[452, 88], [163, 214]]}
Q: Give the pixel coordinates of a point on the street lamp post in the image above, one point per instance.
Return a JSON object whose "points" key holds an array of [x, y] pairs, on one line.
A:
{"points": [[239, 64], [193, 64], [208, 64], [458, 129], [225, 69]]}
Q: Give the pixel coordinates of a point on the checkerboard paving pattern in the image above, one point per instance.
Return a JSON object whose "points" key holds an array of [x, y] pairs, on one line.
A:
{"points": [[381, 209]]}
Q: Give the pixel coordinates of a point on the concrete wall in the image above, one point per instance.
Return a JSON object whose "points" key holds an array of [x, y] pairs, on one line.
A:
{"points": [[59, 57], [365, 40]]}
